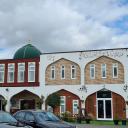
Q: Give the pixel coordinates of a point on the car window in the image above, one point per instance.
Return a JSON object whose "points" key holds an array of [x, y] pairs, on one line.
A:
{"points": [[29, 116], [20, 115], [46, 116], [6, 118]]}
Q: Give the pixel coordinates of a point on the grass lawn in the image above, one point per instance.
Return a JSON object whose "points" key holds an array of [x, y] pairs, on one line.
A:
{"points": [[96, 122]]}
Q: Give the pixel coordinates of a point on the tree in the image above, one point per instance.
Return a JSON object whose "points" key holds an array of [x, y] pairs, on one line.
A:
{"points": [[53, 100]]}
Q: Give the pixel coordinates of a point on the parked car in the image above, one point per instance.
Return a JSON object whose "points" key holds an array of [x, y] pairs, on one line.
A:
{"points": [[41, 119], [8, 121]]}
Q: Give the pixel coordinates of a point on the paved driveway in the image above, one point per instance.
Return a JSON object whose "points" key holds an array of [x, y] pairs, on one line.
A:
{"points": [[93, 126]]}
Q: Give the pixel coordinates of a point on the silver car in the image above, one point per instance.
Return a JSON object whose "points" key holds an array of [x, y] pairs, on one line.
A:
{"points": [[8, 121]]}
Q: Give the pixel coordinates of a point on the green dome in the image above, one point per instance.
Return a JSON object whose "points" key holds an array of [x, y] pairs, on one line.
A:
{"points": [[27, 51]]}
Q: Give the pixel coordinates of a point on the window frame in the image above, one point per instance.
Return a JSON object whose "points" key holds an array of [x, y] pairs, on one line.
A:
{"points": [[64, 104], [114, 65], [92, 66], [3, 72], [103, 68], [62, 71], [53, 72], [73, 68], [73, 103], [34, 71], [9, 71], [20, 70]]}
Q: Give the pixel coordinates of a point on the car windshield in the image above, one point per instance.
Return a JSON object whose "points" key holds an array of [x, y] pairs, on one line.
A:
{"points": [[6, 118], [46, 116]]}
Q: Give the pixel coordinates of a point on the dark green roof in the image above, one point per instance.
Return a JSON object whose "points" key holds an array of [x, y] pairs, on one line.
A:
{"points": [[27, 51]]}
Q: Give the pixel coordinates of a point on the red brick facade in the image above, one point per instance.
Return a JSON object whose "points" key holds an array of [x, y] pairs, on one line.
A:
{"points": [[118, 103], [69, 100], [16, 83]]}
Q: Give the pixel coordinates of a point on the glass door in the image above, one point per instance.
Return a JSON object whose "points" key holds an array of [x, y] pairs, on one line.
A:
{"points": [[104, 109], [100, 109], [108, 107]]}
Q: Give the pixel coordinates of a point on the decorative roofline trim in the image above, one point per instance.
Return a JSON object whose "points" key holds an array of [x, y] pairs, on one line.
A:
{"points": [[84, 51]]}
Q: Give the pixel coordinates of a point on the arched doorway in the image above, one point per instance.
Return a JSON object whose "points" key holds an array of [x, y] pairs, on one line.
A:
{"points": [[106, 105], [25, 100], [69, 102]]}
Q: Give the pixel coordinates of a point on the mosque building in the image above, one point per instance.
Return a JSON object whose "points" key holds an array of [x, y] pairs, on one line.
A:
{"points": [[93, 80]]}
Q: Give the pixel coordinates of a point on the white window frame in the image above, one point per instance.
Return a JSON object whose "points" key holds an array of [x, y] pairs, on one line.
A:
{"points": [[92, 67], [75, 102], [62, 70], [73, 67], [10, 67], [64, 103], [52, 71], [2, 71], [104, 99], [21, 69], [115, 65], [103, 68], [31, 65]]}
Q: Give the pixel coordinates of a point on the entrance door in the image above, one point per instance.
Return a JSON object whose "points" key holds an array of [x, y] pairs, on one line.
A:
{"points": [[104, 105], [104, 109], [27, 104]]}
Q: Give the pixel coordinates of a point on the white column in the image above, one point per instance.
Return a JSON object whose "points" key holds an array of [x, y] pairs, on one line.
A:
{"points": [[7, 108], [43, 106]]}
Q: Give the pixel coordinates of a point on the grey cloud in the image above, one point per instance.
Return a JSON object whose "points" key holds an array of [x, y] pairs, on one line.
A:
{"points": [[58, 25]]}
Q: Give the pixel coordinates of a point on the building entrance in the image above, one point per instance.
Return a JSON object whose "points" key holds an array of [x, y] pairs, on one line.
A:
{"points": [[104, 105], [27, 104]]}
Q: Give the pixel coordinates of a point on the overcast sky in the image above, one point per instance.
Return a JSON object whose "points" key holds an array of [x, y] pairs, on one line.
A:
{"points": [[62, 25]]}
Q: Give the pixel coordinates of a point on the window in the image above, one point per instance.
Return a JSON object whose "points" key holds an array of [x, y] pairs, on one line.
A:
{"points": [[2, 68], [62, 104], [20, 116], [92, 71], [73, 72], [103, 70], [75, 106], [115, 70], [52, 72], [10, 72], [21, 70], [62, 72], [29, 116], [31, 72]]}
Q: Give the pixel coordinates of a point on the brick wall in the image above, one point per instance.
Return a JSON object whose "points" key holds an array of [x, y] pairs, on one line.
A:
{"points": [[109, 76], [119, 106], [58, 80], [90, 105], [69, 97]]}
